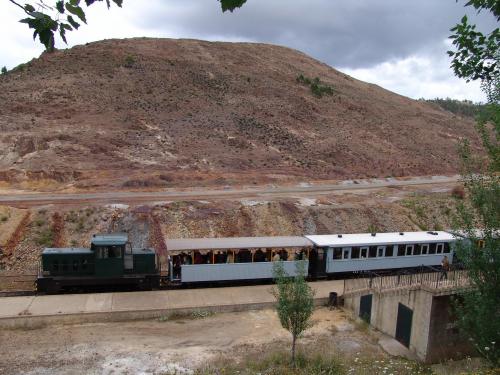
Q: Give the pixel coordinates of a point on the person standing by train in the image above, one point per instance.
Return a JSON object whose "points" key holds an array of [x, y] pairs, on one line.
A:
{"points": [[445, 267]]}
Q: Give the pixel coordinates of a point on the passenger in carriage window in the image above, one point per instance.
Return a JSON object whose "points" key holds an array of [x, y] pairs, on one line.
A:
{"points": [[276, 257], [230, 257], [198, 259]]}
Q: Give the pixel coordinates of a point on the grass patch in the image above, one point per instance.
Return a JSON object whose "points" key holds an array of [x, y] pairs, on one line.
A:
{"points": [[45, 238], [278, 363]]}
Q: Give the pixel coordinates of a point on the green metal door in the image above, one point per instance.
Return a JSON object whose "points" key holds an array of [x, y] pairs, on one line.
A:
{"points": [[365, 307], [109, 261], [403, 325]]}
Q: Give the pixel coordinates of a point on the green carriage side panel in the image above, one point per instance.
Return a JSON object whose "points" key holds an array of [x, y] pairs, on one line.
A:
{"points": [[67, 261], [144, 261]]}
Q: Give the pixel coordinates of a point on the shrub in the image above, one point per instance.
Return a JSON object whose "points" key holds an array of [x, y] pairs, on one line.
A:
{"points": [[458, 192], [4, 70], [129, 61], [45, 238], [317, 88]]}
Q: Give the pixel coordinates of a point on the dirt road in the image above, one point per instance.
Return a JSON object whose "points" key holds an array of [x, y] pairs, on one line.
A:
{"points": [[36, 199]]}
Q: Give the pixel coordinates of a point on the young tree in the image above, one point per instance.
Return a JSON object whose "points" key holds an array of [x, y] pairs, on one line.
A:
{"points": [[295, 301], [478, 57], [4, 70]]}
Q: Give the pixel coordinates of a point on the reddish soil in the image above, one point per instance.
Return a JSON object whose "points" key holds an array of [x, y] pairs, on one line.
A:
{"points": [[151, 113], [18, 234], [58, 230]]}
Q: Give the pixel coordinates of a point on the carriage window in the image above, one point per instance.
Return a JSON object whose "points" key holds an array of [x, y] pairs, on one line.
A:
{"points": [[355, 253], [401, 250], [447, 247], [417, 249], [409, 249], [425, 248], [373, 252], [380, 251], [55, 265], [432, 248], [337, 253], [439, 248], [389, 251], [364, 252], [346, 251]]}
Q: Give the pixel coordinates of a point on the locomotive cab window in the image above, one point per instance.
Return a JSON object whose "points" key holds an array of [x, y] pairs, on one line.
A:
{"points": [[439, 248]]}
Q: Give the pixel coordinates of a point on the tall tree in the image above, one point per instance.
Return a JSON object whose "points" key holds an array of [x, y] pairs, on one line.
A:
{"points": [[477, 57], [295, 301]]}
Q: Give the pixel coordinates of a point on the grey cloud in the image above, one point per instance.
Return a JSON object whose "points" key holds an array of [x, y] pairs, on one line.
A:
{"points": [[342, 33]]}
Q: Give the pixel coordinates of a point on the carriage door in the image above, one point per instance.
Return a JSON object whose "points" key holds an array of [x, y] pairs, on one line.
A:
{"points": [[317, 262], [128, 257], [403, 325]]}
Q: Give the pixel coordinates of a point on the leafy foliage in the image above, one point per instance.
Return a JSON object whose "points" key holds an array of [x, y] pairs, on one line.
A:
{"points": [[478, 311], [4, 70], [477, 55], [47, 20], [317, 88], [295, 300], [231, 4]]}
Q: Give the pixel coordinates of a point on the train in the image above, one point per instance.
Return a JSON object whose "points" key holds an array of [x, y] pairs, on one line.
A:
{"points": [[112, 262]]}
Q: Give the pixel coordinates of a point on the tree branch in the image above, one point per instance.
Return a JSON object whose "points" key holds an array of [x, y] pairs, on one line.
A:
{"points": [[19, 5]]}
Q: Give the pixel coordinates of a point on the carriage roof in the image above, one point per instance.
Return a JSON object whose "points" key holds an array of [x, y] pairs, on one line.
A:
{"points": [[368, 239], [179, 244]]}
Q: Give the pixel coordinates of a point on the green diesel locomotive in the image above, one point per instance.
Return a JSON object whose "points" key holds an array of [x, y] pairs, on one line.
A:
{"points": [[110, 261]]}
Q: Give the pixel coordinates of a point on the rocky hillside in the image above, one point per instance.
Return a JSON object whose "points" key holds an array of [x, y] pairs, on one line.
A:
{"points": [[159, 112]]}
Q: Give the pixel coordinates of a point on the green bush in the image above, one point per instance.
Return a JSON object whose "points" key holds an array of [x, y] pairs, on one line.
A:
{"points": [[317, 88], [4, 70], [129, 61]]}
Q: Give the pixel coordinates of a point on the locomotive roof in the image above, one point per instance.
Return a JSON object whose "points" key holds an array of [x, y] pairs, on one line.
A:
{"points": [[366, 239], [110, 239], [179, 244], [66, 250]]}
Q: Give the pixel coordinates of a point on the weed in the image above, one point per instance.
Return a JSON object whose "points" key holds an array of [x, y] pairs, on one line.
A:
{"points": [[3, 219], [458, 192], [39, 222], [129, 61], [74, 243]]}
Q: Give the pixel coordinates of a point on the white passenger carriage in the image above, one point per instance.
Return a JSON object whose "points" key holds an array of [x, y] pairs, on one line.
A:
{"points": [[201, 260], [205, 260], [345, 253]]}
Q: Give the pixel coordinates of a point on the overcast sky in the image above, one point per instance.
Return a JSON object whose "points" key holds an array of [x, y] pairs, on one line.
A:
{"points": [[399, 45]]}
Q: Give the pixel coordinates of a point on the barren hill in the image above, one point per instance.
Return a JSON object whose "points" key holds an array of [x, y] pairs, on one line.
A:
{"points": [[160, 112]]}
